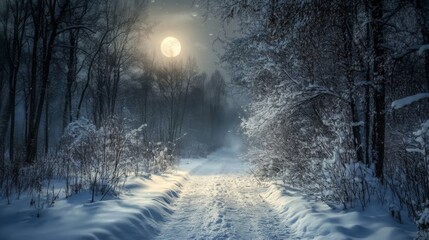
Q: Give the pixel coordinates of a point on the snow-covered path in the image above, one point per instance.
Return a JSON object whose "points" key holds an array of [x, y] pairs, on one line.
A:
{"points": [[221, 201], [217, 200]]}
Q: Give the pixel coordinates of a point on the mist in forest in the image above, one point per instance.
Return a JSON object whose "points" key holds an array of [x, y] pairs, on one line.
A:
{"points": [[100, 60]]}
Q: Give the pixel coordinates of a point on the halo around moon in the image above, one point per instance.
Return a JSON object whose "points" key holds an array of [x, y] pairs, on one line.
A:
{"points": [[171, 47]]}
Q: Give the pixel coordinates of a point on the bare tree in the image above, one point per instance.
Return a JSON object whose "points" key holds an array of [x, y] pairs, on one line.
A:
{"points": [[55, 12], [14, 21], [173, 82], [112, 56]]}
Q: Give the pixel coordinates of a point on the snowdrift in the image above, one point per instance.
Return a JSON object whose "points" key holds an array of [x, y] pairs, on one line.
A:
{"points": [[138, 212], [310, 219]]}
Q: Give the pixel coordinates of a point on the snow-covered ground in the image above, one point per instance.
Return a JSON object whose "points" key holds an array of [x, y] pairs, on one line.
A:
{"points": [[315, 220], [209, 198], [137, 214], [222, 201]]}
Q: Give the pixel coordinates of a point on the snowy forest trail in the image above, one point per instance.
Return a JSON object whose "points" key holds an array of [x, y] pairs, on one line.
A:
{"points": [[221, 201]]}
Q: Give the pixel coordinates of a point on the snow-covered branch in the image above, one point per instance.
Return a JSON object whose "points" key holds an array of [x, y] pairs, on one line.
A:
{"points": [[403, 102]]}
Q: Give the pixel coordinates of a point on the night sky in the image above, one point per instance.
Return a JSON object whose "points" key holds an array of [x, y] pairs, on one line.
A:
{"points": [[186, 21]]}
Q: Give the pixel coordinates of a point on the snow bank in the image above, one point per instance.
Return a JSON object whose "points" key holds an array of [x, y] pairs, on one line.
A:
{"points": [[137, 214], [315, 220], [400, 103]]}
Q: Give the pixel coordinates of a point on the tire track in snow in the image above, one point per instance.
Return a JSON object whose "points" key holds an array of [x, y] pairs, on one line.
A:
{"points": [[220, 201]]}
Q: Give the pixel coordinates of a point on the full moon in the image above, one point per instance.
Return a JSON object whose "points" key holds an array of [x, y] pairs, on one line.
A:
{"points": [[170, 47]]}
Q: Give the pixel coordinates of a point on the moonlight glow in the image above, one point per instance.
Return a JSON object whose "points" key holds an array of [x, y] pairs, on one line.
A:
{"points": [[170, 47]]}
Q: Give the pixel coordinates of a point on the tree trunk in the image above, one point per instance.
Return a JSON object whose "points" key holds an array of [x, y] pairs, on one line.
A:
{"points": [[71, 78], [379, 95], [423, 8], [31, 141], [12, 103], [47, 121], [115, 89], [367, 94], [49, 40], [348, 35], [2, 121], [357, 139], [367, 122], [14, 51]]}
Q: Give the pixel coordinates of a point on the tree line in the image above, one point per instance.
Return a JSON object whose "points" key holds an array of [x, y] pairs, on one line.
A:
{"points": [[322, 76]]}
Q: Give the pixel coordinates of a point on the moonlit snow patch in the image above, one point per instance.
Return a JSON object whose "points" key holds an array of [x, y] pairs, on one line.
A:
{"points": [[315, 220]]}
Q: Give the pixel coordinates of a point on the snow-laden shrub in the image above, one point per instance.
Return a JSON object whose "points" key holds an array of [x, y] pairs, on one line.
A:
{"points": [[289, 140], [100, 159], [162, 157], [347, 182], [282, 139], [76, 149], [39, 180], [137, 151], [408, 177], [423, 224], [98, 155], [422, 144], [108, 165], [340, 178]]}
